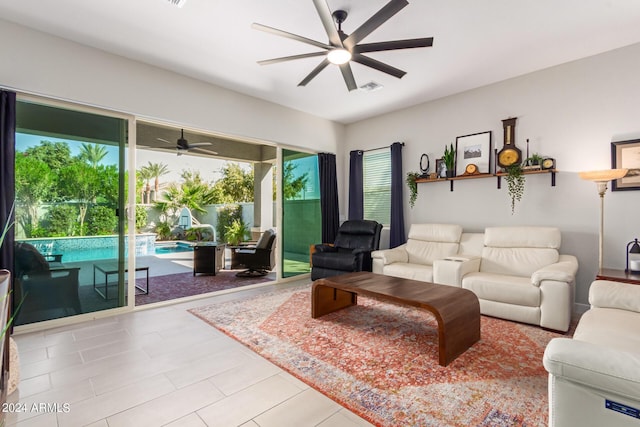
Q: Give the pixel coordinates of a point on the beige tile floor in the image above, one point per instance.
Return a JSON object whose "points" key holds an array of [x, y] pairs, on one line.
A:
{"points": [[160, 367]]}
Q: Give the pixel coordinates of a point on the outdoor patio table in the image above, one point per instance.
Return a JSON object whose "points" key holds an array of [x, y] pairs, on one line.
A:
{"points": [[111, 267]]}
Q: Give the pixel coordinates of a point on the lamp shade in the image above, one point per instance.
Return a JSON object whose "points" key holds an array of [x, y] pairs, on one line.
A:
{"points": [[633, 256], [603, 175]]}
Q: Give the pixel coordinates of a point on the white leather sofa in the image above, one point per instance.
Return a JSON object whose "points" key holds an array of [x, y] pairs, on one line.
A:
{"points": [[594, 378], [414, 259], [517, 273]]}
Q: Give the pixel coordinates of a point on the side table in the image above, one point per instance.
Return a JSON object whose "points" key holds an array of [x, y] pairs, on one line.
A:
{"points": [[618, 276]]}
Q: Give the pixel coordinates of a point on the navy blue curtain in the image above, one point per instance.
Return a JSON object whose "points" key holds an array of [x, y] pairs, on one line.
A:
{"points": [[328, 196], [7, 173], [396, 233], [356, 188]]}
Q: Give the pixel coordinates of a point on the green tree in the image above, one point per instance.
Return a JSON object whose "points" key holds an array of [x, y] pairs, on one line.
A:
{"points": [[143, 175], [33, 185], [92, 154], [55, 154], [156, 170], [192, 192], [235, 186], [61, 220], [292, 185], [81, 183]]}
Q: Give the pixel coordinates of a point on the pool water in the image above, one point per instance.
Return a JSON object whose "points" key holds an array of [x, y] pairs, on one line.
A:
{"points": [[169, 249], [111, 253]]}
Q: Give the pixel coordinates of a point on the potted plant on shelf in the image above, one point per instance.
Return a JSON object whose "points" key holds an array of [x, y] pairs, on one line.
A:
{"points": [[515, 184], [449, 159], [413, 187], [533, 162]]}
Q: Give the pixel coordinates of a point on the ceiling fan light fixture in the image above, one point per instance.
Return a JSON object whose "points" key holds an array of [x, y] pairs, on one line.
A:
{"points": [[339, 56]]}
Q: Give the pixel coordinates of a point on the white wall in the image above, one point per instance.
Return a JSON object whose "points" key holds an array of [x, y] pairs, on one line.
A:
{"points": [[571, 112], [45, 65]]}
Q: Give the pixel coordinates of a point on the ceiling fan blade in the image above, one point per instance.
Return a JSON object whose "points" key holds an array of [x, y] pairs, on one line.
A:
{"points": [[377, 65], [327, 21], [164, 140], [200, 150], [315, 72], [289, 35], [379, 18], [290, 58], [199, 144], [347, 74], [392, 45]]}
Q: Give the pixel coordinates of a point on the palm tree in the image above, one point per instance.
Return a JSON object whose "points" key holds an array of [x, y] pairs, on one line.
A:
{"points": [[145, 175], [92, 153], [156, 170]]}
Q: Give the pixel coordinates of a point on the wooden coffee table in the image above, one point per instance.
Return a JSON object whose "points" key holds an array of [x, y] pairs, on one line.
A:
{"points": [[457, 310]]}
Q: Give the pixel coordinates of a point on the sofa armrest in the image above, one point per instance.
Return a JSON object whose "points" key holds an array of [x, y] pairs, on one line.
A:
{"points": [[608, 294], [389, 256], [451, 270], [595, 366], [562, 271]]}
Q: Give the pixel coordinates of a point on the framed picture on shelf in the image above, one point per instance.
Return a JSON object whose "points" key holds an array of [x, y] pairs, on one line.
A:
{"points": [[626, 155], [474, 149], [440, 169]]}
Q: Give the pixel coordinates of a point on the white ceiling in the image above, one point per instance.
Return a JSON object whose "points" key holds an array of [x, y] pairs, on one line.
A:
{"points": [[476, 42]]}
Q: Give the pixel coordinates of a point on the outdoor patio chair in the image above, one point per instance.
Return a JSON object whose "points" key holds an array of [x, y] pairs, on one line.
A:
{"points": [[258, 260], [47, 290]]}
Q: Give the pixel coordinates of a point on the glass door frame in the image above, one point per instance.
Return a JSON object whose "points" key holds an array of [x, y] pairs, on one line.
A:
{"points": [[127, 150]]}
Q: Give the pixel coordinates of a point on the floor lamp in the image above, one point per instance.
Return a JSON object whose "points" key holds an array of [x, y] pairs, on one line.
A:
{"points": [[601, 178]]}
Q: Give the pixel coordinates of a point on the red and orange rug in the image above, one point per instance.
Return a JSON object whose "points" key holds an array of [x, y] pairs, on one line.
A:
{"points": [[380, 360]]}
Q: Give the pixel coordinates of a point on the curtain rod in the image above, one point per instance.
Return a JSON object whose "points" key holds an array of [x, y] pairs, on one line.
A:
{"points": [[379, 148]]}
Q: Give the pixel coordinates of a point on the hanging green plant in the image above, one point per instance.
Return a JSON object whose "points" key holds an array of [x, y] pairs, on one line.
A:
{"points": [[515, 184], [413, 187]]}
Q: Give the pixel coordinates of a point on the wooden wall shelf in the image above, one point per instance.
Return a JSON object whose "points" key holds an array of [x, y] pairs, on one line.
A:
{"points": [[498, 175]]}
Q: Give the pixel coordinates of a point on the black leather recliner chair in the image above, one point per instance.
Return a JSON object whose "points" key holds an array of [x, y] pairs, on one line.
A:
{"points": [[350, 252]]}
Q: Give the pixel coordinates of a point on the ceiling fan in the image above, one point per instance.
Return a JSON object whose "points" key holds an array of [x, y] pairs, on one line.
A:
{"points": [[182, 145], [344, 48]]}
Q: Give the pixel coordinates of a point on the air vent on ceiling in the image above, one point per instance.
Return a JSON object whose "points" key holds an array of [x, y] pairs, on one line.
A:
{"points": [[178, 3], [371, 86]]}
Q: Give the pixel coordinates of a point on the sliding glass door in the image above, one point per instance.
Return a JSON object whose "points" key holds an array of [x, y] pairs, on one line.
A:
{"points": [[70, 222], [301, 220]]}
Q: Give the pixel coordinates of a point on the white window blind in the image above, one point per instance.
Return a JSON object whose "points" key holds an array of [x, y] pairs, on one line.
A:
{"points": [[377, 185]]}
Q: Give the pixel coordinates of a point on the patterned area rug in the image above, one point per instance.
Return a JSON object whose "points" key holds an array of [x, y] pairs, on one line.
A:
{"points": [[380, 360], [163, 288]]}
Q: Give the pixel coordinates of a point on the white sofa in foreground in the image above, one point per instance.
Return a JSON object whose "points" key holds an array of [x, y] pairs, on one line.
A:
{"points": [[594, 378], [517, 273]]}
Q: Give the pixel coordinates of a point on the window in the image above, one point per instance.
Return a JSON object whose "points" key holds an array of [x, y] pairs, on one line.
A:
{"points": [[377, 185]]}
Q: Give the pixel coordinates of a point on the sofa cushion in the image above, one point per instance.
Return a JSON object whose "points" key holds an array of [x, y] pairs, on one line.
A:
{"points": [[521, 262], [522, 237], [610, 327], [405, 270], [421, 252], [449, 233], [502, 288]]}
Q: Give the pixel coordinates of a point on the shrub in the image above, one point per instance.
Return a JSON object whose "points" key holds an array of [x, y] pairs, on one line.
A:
{"points": [[141, 217], [101, 220], [61, 220], [227, 214]]}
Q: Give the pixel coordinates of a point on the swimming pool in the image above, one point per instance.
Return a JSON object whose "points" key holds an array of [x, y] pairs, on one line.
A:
{"points": [[173, 248]]}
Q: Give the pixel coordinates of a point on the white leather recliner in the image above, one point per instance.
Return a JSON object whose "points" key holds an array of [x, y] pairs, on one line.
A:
{"points": [[519, 276], [594, 378]]}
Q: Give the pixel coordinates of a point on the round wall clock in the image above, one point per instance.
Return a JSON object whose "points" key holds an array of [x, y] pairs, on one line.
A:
{"points": [[548, 163], [510, 154]]}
